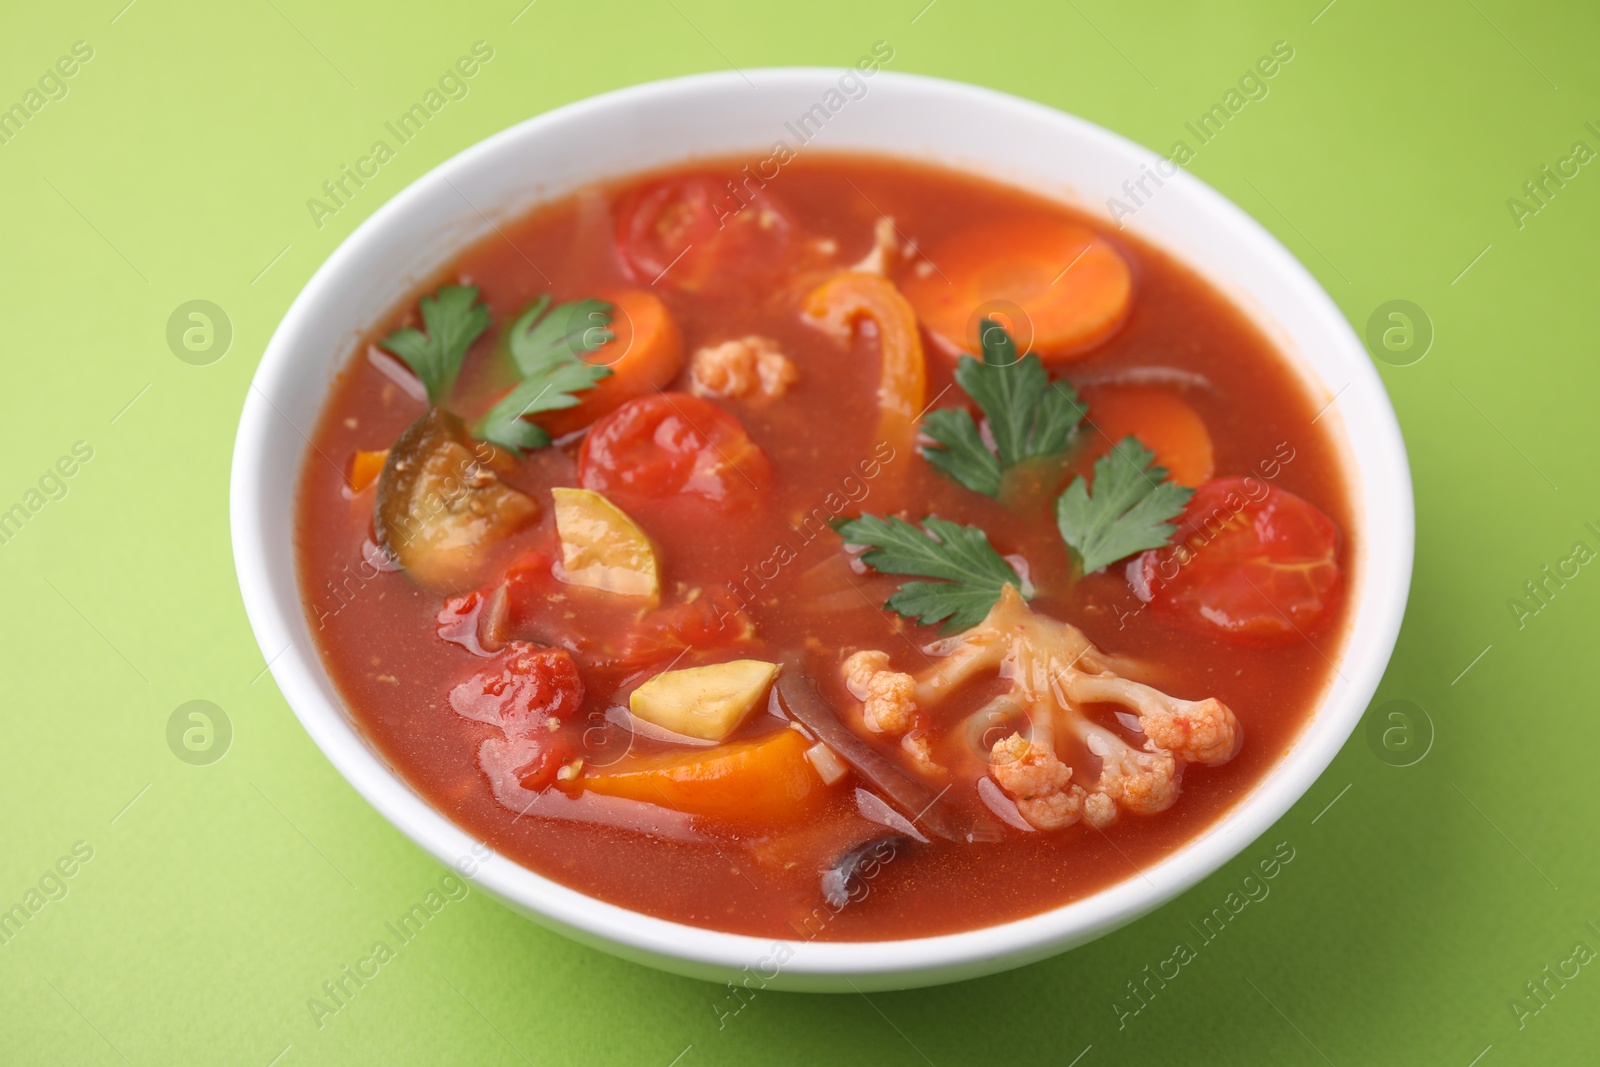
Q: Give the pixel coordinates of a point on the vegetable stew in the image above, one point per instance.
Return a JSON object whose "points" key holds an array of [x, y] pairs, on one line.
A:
{"points": [[869, 552]]}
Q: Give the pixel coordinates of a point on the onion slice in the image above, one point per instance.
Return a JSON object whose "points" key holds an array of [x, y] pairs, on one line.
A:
{"points": [[925, 807]]}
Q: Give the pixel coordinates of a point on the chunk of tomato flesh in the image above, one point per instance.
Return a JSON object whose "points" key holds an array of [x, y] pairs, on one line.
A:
{"points": [[693, 234], [521, 690], [672, 445], [712, 621], [1246, 564]]}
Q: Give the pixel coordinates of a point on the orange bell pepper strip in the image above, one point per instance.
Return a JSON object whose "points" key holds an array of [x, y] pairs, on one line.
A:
{"points": [[751, 782], [838, 305]]}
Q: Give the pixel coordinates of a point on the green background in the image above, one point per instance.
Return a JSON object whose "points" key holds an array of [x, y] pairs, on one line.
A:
{"points": [[1421, 898]]}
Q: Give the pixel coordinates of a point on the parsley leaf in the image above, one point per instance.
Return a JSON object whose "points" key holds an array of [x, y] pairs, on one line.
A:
{"points": [[974, 573], [1029, 416], [569, 329], [964, 458], [1128, 510], [549, 388], [546, 344], [454, 319]]}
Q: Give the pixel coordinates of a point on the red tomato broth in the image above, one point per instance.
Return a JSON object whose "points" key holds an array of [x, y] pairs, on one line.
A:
{"points": [[378, 632]]}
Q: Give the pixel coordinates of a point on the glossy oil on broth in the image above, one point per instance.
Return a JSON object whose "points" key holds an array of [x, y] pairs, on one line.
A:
{"points": [[788, 571]]}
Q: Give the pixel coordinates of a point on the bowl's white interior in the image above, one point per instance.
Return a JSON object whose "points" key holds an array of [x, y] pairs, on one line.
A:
{"points": [[988, 133]]}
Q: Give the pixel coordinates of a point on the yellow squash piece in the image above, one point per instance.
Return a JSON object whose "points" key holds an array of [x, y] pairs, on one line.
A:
{"points": [[704, 702], [602, 548]]}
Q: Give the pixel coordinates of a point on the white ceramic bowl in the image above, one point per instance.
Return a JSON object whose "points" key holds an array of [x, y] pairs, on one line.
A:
{"points": [[999, 136]]}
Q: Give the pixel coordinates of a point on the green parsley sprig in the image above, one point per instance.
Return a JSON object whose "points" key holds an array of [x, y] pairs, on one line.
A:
{"points": [[454, 319], [543, 333], [547, 344], [1126, 511], [972, 574], [1029, 416]]}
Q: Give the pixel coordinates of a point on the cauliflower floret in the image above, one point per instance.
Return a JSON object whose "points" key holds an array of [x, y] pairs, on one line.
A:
{"points": [[888, 698], [747, 368], [1099, 810], [1145, 782], [1025, 769], [891, 704], [1203, 731], [1032, 650], [1034, 776], [1200, 731], [859, 669], [1054, 671], [1053, 812]]}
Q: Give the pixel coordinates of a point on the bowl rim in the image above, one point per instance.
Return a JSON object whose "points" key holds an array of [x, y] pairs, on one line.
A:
{"points": [[707, 952]]}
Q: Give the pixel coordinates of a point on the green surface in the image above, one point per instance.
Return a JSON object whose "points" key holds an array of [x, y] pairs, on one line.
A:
{"points": [[220, 897]]}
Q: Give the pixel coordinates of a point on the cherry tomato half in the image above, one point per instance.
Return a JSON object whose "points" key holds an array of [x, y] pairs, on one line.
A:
{"points": [[700, 234], [670, 445], [1250, 562]]}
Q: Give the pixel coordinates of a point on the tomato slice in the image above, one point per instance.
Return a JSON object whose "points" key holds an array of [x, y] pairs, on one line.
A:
{"points": [[699, 234], [671, 445], [1250, 562]]}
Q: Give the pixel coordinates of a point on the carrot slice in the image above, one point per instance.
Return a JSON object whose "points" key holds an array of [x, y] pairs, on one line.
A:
{"points": [[645, 354], [1162, 422], [365, 467], [1070, 285], [838, 306], [754, 782]]}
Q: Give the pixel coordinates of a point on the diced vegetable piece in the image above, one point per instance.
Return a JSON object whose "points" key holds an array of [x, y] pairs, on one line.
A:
{"points": [[440, 507], [602, 548], [552, 760], [757, 783], [708, 620], [521, 690], [695, 235], [644, 354], [838, 306], [830, 768], [478, 621], [1071, 284], [1249, 562], [672, 446], [365, 467], [705, 702], [1160, 419]]}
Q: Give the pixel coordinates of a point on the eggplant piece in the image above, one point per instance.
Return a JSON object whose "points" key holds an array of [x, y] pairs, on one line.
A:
{"points": [[926, 808], [857, 866], [440, 506]]}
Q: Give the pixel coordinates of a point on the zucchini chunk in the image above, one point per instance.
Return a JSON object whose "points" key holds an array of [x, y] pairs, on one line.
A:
{"points": [[440, 507], [704, 702]]}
